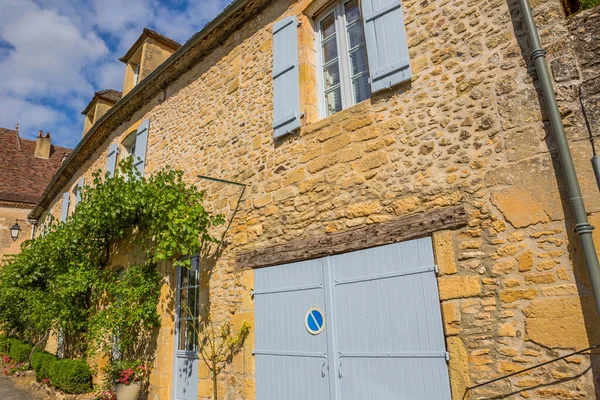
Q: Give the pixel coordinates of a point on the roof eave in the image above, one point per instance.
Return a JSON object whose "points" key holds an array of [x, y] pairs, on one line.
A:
{"points": [[145, 33], [137, 91]]}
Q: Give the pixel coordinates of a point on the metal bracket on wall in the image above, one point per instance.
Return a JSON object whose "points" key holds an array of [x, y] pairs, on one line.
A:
{"points": [[237, 206]]}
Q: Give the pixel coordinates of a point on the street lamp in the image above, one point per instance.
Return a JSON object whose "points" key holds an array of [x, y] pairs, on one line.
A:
{"points": [[15, 230]]}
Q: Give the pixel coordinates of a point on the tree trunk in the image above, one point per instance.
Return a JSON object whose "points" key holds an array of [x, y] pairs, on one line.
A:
{"points": [[214, 378]]}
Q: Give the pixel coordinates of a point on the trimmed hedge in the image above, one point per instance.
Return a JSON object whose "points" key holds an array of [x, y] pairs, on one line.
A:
{"points": [[72, 376], [19, 351], [41, 362]]}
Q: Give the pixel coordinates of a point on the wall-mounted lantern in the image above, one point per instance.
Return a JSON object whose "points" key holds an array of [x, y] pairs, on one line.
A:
{"points": [[15, 230]]}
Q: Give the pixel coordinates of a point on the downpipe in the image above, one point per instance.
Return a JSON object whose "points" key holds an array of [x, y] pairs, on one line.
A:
{"points": [[582, 225]]}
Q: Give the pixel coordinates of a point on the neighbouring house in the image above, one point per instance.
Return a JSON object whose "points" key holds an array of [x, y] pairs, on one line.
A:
{"points": [[405, 231], [26, 168]]}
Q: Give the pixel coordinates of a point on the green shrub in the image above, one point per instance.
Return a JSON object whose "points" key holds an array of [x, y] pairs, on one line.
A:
{"points": [[19, 351], [71, 376], [585, 4], [41, 362], [4, 345]]}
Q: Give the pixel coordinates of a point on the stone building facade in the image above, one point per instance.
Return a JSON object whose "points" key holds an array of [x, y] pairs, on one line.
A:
{"points": [[464, 145], [26, 167]]}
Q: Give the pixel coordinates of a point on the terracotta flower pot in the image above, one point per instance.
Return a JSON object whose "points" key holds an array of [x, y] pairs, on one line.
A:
{"points": [[127, 392]]}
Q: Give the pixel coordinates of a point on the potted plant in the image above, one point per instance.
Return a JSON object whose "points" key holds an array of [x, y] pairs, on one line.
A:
{"points": [[128, 377]]}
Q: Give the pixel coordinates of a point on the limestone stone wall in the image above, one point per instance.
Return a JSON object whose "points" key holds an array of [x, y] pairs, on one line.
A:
{"points": [[9, 213], [468, 129]]}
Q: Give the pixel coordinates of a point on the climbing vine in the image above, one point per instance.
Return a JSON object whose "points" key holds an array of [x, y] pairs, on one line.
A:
{"points": [[60, 282]]}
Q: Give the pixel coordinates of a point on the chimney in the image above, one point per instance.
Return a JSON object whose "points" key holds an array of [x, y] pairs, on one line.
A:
{"points": [[43, 145]]}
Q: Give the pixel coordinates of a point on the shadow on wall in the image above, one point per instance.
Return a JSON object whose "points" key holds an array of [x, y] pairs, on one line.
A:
{"points": [[577, 308]]}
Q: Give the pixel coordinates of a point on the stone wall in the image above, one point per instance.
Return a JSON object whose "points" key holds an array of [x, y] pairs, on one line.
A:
{"points": [[468, 129], [9, 213]]}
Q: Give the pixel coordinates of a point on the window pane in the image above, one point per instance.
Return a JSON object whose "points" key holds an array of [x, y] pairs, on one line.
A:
{"points": [[358, 60], [183, 303], [190, 336], [181, 345], [362, 89], [356, 36], [328, 26], [331, 75], [352, 11], [334, 101], [330, 50]]}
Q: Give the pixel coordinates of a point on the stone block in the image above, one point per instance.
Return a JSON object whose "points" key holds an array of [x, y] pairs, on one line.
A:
{"points": [[458, 367], [525, 261], [363, 209], [456, 287], [564, 322], [513, 200], [509, 296], [443, 247], [370, 162]]}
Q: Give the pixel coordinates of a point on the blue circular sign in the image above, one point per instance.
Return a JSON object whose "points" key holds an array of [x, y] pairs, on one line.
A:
{"points": [[314, 321]]}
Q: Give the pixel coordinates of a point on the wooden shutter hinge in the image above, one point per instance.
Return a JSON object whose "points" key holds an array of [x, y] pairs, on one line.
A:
{"points": [[447, 356], [436, 269], [299, 24]]}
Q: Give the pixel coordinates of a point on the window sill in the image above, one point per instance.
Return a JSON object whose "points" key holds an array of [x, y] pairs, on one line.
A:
{"points": [[337, 118]]}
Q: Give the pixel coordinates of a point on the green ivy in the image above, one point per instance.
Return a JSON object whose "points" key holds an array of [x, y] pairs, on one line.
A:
{"points": [[60, 282]]}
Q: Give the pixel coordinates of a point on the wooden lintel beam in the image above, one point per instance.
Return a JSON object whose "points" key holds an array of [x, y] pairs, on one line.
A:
{"points": [[404, 228]]}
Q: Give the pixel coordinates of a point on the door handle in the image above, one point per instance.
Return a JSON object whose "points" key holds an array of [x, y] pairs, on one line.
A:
{"points": [[323, 367], [340, 370]]}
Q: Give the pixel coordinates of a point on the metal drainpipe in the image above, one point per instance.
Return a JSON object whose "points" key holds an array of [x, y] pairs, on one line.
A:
{"points": [[582, 225]]}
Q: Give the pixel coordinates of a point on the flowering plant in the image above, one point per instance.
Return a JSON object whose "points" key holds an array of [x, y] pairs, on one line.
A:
{"points": [[127, 372], [106, 395], [10, 367]]}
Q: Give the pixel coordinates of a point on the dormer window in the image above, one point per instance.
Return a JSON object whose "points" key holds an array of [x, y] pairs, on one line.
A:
{"points": [[147, 53], [136, 74], [129, 143]]}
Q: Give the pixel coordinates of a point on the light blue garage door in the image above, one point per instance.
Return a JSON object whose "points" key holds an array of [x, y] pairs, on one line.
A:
{"points": [[381, 334]]}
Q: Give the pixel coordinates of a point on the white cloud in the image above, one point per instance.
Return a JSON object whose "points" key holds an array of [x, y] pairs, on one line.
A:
{"points": [[48, 55], [55, 54]]}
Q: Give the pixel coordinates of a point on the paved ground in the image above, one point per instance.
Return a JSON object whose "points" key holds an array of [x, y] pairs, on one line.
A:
{"points": [[8, 391]]}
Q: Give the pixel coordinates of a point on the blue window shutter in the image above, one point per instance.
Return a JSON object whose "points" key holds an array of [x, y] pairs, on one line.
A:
{"points": [[65, 206], [286, 86], [387, 48], [79, 189], [141, 142], [111, 162]]}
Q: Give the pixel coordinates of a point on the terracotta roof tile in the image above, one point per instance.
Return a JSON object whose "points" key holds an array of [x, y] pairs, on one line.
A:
{"points": [[23, 177]]}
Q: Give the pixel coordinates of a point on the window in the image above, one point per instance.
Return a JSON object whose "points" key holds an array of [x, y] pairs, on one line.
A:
{"points": [[344, 72], [136, 74], [129, 143]]}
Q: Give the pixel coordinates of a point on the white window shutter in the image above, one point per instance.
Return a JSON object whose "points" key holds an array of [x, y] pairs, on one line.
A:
{"points": [[141, 142], [65, 206], [79, 190], [111, 162], [286, 85], [387, 47]]}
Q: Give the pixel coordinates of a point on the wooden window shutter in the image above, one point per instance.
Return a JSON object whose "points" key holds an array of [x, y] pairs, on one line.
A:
{"points": [[141, 142], [111, 162], [79, 190], [65, 206], [387, 48], [286, 86]]}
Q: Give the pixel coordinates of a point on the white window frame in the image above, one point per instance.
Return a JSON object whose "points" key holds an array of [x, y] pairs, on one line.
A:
{"points": [[344, 62]]}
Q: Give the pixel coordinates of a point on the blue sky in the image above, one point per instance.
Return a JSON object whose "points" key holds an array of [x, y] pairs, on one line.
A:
{"points": [[54, 54]]}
